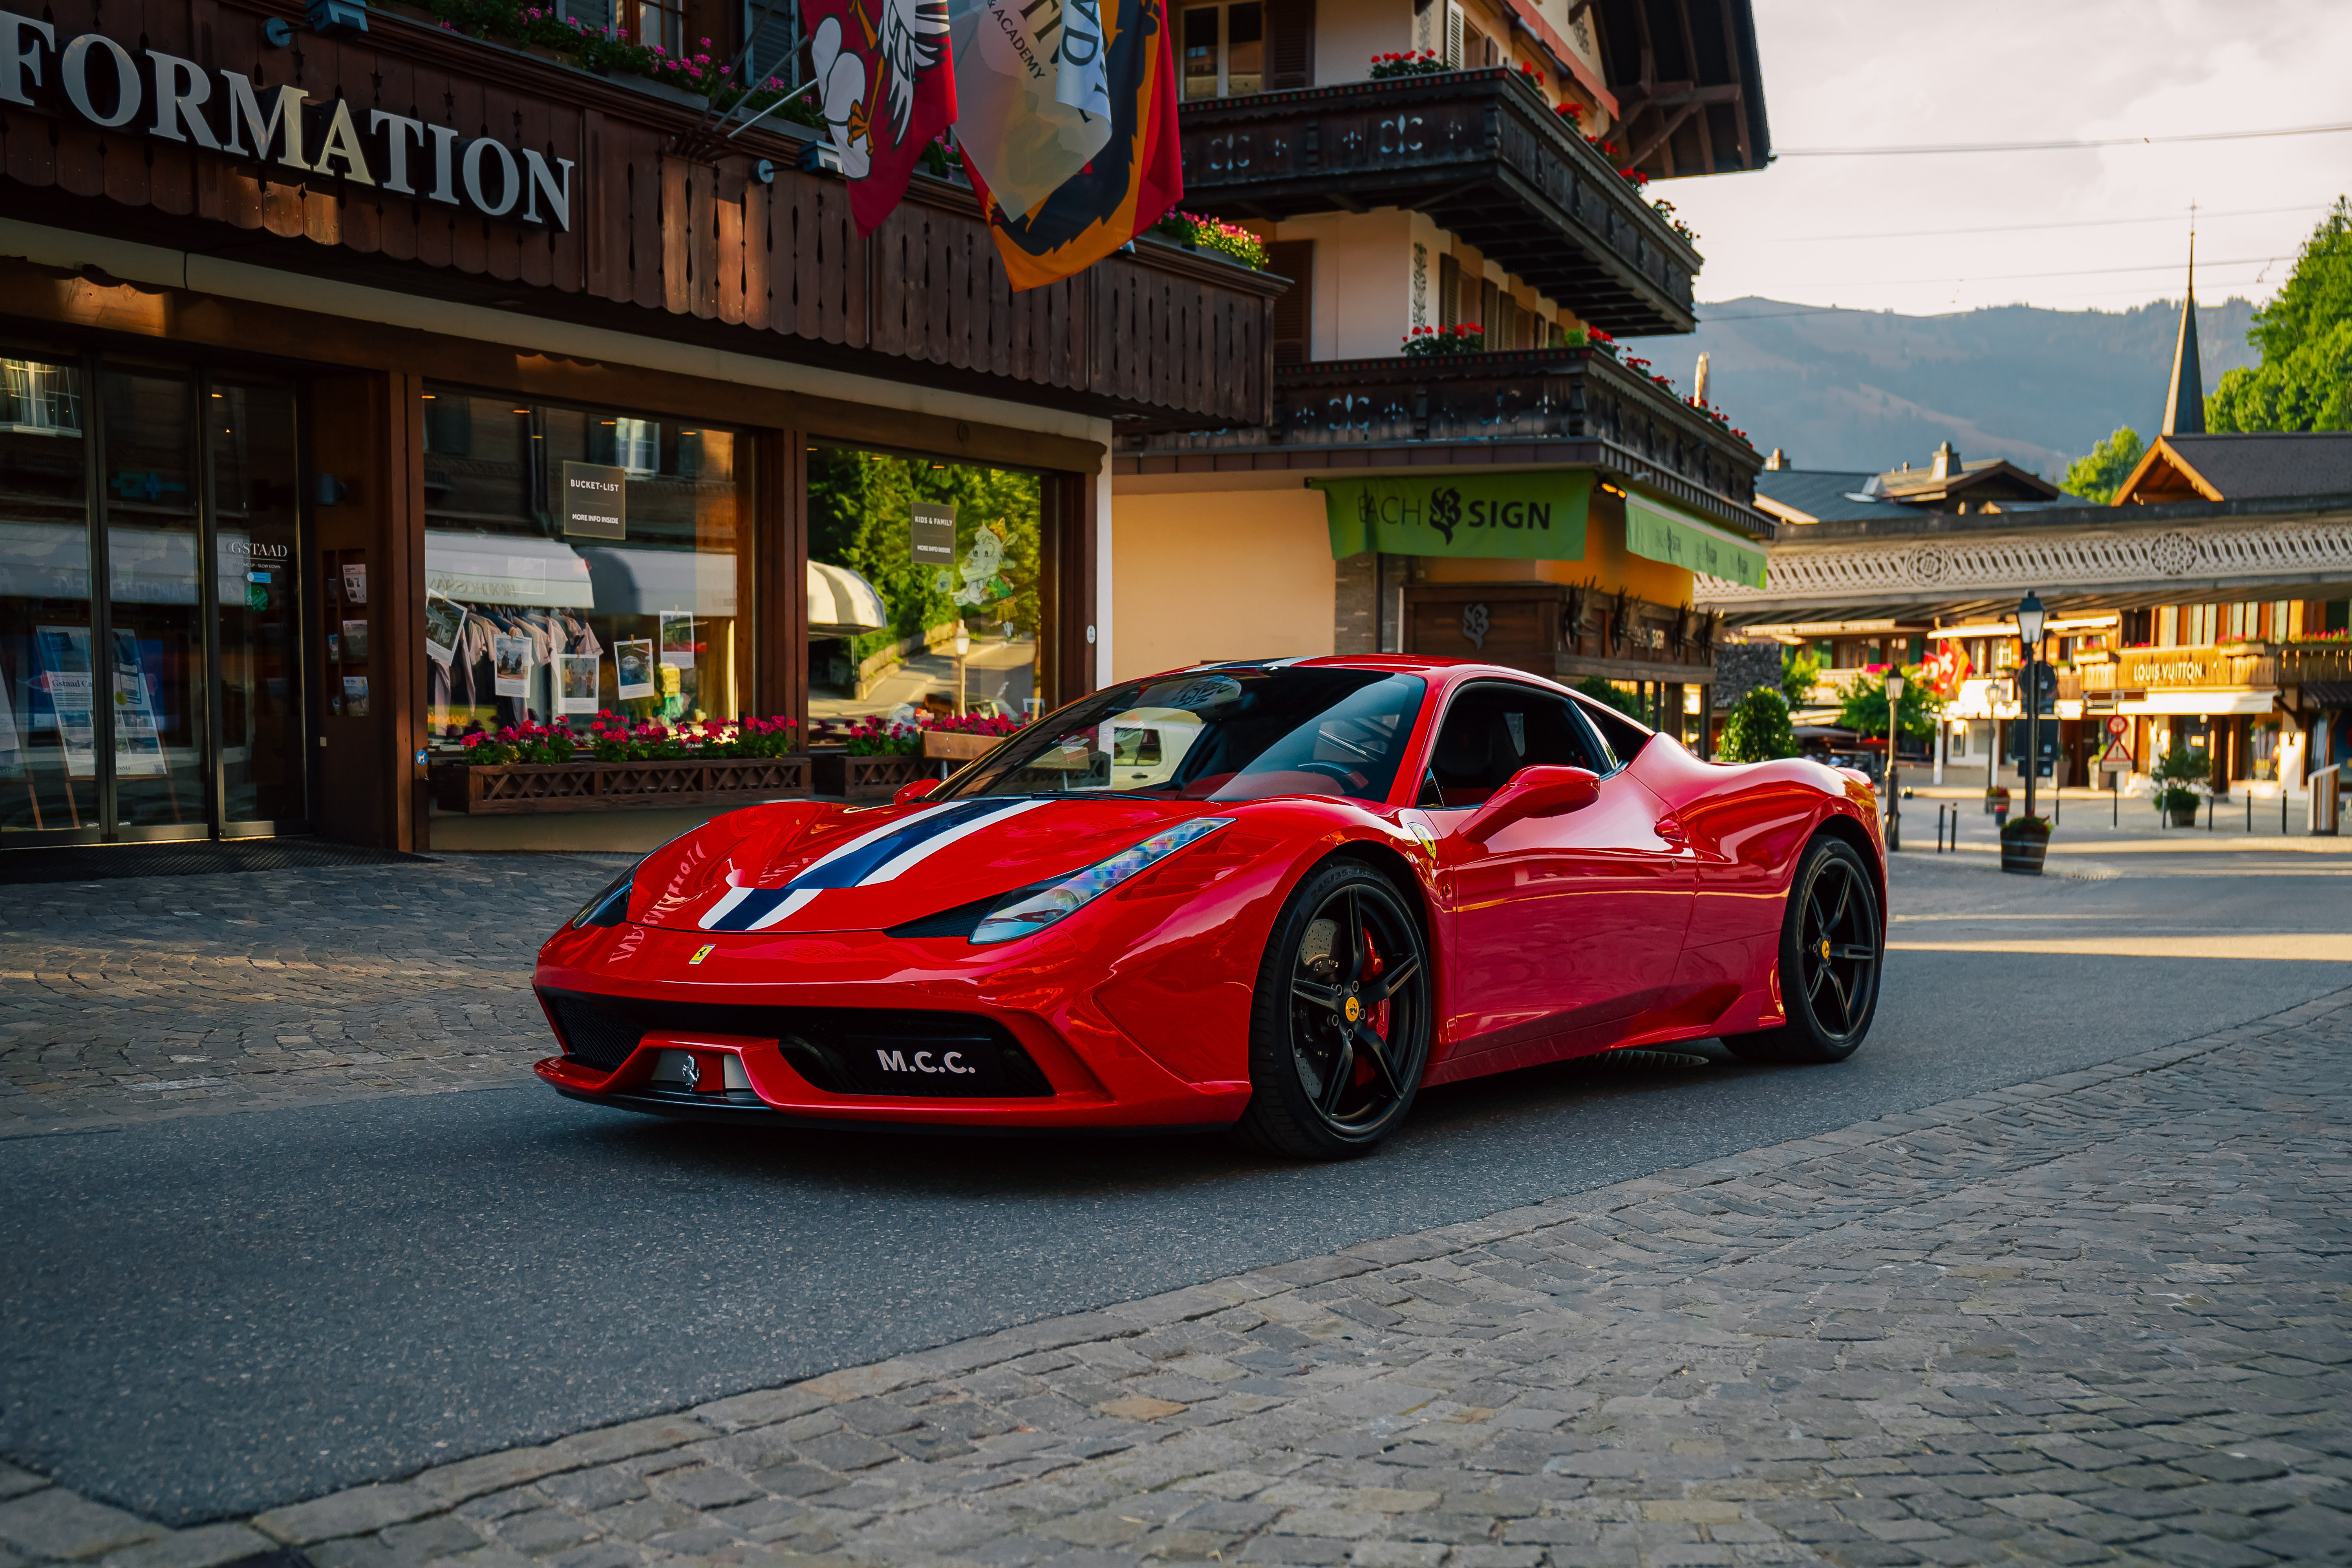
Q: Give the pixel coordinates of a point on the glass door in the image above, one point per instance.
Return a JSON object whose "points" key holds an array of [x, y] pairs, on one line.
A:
{"points": [[256, 528], [49, 754]]}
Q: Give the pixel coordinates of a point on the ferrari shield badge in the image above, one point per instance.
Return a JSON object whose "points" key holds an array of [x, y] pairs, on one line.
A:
{"points": [[702, 953]]}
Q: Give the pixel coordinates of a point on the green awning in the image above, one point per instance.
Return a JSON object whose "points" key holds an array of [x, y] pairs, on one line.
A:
{"points": [[1660, 532], [1524, 517]]}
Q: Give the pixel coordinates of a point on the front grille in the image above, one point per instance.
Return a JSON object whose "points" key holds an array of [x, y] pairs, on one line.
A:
{"points": [[832, 1048]]}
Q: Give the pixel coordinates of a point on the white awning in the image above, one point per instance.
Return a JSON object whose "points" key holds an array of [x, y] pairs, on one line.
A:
{"points": [[2212, 703], [506, 569], [647, 582], [841, 604]]}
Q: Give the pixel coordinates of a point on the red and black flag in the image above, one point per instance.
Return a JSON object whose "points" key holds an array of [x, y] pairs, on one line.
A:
{"points": [[1134, 180], [887, 89]]}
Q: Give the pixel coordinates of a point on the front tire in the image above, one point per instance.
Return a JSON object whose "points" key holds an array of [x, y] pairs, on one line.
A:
{"points": [[1832, 950], [1339, 1027]]}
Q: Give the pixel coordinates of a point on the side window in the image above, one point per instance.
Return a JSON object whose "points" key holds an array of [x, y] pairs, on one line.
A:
{"points": [[1490, 733], [1619, 735]]}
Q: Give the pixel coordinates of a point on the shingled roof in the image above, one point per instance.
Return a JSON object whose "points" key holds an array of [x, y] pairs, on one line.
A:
{"points": [[2239, 466]]}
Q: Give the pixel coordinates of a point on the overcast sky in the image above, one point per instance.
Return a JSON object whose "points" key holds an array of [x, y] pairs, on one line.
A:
{"points": [[1849, 73]]}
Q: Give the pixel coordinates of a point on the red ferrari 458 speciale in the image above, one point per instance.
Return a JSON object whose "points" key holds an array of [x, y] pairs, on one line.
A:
{"points": [[1278, 897]]}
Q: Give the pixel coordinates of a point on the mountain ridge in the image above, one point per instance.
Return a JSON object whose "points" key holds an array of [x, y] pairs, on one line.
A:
{"points": [[1868, 390]]}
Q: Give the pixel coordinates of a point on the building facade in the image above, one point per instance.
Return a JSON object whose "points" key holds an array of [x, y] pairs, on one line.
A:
{"points": [[367, 384], [1427, 171]]}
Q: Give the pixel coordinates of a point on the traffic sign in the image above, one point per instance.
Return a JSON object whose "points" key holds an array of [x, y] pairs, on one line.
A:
{"points": [[2118, 725], [2117, 758]]}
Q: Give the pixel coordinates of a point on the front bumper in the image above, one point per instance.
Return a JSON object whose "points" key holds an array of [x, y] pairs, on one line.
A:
{"points": [[1085, 1072]]}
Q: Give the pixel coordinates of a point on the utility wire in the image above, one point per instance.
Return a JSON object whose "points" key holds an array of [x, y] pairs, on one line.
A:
{"points": [[2052, 146]]}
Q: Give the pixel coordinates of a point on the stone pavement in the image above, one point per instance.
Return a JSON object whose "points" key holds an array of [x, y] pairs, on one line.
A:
{"points": [[131, 999], [2097, 1319]]}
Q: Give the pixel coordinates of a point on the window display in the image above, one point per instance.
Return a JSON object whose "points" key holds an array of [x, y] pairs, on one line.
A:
{"points": [[580, 561], [924, 590]]}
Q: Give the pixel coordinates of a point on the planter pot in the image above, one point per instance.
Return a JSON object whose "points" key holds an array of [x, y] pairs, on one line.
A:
{"points": [[2024, 847], [2183, 815], [518, 788], [1996, 805], [946, 745], [2001, 813], [865, 778]]}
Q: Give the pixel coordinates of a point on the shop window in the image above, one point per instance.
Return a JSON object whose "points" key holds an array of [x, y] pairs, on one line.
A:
{"points": [[48, 763], [580, 561], [905, 554], [1224, 50]]}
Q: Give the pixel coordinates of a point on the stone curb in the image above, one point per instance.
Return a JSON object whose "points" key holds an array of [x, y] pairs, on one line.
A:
{"points": [[51, 1523]]}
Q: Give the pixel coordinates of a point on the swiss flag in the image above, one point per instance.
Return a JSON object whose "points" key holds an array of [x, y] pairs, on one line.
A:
{"points": [[887, 89]]}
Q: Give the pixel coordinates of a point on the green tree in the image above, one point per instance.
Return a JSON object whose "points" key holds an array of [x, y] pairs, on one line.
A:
{"points": [[2305, 381], [2096, 476], [1863, 711], [1799, 670], [1757, 729], [1616, 696]]}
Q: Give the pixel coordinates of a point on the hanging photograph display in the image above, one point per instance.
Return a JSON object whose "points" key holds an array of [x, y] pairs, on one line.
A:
{"points": [[633, 660], [579, 673], [445, 623], [677, 639], [512, 675], [64, 656], [138, 749]]}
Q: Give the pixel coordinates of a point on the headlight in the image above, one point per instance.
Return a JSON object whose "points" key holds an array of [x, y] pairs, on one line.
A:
{"points": [[1033, 911], [610, 907]]}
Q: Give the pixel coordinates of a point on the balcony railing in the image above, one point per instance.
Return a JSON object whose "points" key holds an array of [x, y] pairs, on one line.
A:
{"points": [[1482, 154], [1571, 406]]}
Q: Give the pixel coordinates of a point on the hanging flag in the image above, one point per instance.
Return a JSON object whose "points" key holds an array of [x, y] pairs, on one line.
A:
{"points": [[1130, 183], [887, 89], [1027, 119]]}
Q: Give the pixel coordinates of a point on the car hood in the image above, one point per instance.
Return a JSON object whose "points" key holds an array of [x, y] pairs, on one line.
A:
{"points": [[793, 867]]}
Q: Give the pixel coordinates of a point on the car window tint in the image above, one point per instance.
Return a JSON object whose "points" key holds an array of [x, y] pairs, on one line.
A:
{"points": [[1491, 732]]}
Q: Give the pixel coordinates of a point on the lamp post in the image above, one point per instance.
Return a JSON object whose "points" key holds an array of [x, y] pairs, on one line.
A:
{"points": [[2031, 619], [1894, 782], [962, 651]]}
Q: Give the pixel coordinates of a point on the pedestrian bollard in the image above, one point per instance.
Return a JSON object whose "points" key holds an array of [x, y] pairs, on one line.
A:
{"points": [[2249, 811], [2208, 811], [2115, 803]]}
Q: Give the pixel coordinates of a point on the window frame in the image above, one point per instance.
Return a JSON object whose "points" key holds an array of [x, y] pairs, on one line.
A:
{"points": [[1223, 9], [1426, 783]]}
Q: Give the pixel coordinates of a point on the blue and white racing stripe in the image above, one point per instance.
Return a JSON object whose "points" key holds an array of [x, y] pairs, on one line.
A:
{"points": [[880, 856]]}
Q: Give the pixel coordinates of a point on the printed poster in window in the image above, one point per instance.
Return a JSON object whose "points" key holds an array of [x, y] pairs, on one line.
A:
{"points": [[445, 623], [356, 642], [512, 675], [678, 640], [355, 698], [355, 582], [63, 654], [634, 659], [579, 673], [138, 749]]}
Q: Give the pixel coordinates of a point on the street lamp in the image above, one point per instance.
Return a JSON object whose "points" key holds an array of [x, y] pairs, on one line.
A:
{"points": [[1894, 783], [2031, 619]]}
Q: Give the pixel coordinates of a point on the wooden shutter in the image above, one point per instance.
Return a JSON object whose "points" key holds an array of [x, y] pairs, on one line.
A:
{"points": [[1294, 309], [1449, 292], [1292, 47]]}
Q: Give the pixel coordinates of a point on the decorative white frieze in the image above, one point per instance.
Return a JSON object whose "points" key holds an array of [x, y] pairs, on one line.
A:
{"points": [[2115, 560]]}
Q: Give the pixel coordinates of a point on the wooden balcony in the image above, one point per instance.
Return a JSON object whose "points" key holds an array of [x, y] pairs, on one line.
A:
{"points": [[1531, 407], [1481, 153], [672, 229]]}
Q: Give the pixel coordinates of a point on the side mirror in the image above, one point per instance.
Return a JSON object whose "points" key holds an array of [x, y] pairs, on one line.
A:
{"points": [[1544, 790], [913, 792]]}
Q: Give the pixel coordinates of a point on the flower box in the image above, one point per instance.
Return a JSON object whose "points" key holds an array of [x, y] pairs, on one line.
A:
{"points": [[515, 787], [850, 777]]}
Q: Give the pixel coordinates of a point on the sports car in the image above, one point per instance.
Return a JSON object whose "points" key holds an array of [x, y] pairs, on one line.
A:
{"points": [[1277, 896]]}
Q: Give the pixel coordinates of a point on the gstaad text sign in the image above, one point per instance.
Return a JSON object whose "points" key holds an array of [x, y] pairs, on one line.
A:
{"points": [[153, 93]]}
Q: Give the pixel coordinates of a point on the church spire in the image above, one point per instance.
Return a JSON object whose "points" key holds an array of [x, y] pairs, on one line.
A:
{"points": [[2184, 406]]}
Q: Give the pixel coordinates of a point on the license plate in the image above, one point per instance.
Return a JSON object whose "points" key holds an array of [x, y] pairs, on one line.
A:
{"points": [[941, 1068]]}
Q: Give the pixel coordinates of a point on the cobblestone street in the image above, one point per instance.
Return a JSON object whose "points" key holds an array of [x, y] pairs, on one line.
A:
{"points": [[2099, 1318], [158, 996]]}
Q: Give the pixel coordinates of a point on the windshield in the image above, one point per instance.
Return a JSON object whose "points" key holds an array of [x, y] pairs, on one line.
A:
{"points": [[1225, 734]]}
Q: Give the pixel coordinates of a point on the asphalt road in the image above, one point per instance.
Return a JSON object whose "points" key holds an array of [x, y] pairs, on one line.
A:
{"points": [[209, 1316]]}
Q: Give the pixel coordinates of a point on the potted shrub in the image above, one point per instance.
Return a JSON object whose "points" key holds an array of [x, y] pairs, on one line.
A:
{"points": [[2176, 775], [1996, 804], [2024, 844]]}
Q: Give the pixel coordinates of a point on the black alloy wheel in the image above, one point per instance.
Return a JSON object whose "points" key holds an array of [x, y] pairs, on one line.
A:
{"points": [[1832, 949], [1340, 1028]]}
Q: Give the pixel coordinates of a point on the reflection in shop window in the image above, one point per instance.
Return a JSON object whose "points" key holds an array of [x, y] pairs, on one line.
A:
{"points": [[580, 561], [903, 552]]}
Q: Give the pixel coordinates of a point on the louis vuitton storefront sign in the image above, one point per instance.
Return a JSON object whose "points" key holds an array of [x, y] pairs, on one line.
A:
{"points": [[150, 92]]}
